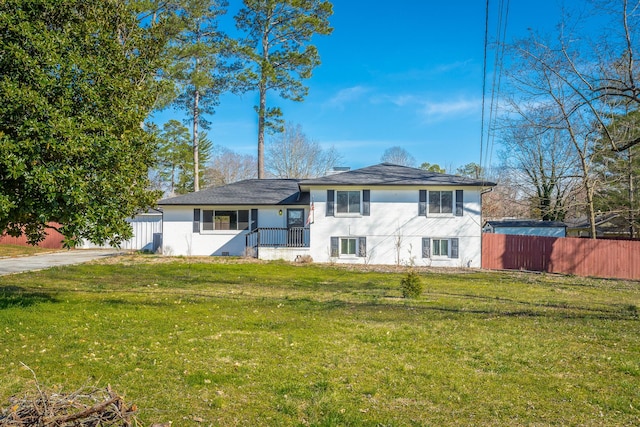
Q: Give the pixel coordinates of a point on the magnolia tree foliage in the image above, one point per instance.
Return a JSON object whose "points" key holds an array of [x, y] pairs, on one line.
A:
{"points": [[278, 54], [76, 82]]}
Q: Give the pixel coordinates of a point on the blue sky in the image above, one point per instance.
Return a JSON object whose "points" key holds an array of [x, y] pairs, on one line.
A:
{"points": [[406, 73]]}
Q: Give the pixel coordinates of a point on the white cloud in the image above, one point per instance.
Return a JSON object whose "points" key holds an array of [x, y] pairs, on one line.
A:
{"points": [[430, 109], [432, 72], [402, 100], [346, 96], [437, 111]]}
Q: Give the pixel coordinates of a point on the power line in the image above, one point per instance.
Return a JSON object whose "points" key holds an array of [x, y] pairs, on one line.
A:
{"points": [[486, 145], [497, 78], [484, 77]]}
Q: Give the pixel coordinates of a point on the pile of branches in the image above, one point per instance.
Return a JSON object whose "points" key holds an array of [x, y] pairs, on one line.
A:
{"points": [[95, 408]]}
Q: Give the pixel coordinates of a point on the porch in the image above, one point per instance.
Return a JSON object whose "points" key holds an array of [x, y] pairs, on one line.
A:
{"points": [[278, 243]]}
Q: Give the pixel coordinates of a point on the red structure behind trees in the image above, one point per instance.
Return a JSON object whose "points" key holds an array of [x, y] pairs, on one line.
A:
{"points": [[52, 241]]}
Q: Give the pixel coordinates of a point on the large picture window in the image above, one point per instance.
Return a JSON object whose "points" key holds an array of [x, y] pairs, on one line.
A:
{"points": [[348, 202], [225, 220], [440, 202]]}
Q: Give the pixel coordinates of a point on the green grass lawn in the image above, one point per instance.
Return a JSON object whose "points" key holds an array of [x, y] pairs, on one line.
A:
{"points": [[235, 343]]}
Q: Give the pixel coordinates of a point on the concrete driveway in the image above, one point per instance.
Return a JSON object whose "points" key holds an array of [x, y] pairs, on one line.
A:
{"points": [[54, 259]]}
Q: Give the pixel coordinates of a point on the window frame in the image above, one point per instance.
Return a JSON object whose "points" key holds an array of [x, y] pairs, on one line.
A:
{"points": [[359, 247], [452, 247], [338, 212], [437, 243], [451, 205], [348, 241], [236, 217]]}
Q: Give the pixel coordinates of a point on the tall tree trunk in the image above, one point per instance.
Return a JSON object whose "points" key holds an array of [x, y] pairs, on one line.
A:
{"points": [[173, 179], [262, 108], [196, 159], [262, 111]]}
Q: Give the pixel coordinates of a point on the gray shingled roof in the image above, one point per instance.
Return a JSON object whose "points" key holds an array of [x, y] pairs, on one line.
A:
{"points": [[525, 223], [247, 192], [390, 174], [584, 222]]}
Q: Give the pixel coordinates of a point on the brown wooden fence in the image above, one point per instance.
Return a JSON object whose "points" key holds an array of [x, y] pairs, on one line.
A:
{"points": [[52, 241], [618, 259]]}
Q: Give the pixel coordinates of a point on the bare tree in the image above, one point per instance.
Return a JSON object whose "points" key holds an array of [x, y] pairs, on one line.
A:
{"points": [[398, 156], [589, 79], [506, 199], [540, 87], [228, 166], [291, 154], [543, 160]]}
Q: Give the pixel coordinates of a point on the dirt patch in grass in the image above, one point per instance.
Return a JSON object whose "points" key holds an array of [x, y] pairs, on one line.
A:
{"points": [[138, 258], [11, 251]]}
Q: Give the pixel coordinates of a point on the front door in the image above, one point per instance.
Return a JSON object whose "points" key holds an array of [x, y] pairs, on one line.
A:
{"points": [[295, 227]]}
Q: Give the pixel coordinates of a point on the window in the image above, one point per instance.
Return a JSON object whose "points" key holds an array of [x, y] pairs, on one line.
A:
{"points": [[348, 202], [348, 247], [225, 220], [440, 248], [440, 202]]}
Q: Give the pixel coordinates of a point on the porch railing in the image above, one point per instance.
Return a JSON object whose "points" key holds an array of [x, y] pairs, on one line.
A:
{"points": [[294, 237]]}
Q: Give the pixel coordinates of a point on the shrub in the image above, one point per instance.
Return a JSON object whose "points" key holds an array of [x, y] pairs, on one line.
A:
{"points": [[411, 285]]}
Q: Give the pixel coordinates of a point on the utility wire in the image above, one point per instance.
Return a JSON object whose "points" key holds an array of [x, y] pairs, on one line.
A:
{"points": [[497, 78], [486, 145], [484, 78]]}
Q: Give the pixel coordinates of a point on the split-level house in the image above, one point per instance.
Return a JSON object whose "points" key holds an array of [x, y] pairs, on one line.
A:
{"points": [[382, 214]]}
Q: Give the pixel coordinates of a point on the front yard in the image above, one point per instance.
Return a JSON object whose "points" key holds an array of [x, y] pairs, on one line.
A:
{"points": [[249, 343]]}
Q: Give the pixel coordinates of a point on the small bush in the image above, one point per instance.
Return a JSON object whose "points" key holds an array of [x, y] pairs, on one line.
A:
{"points": [[411, 285]]}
